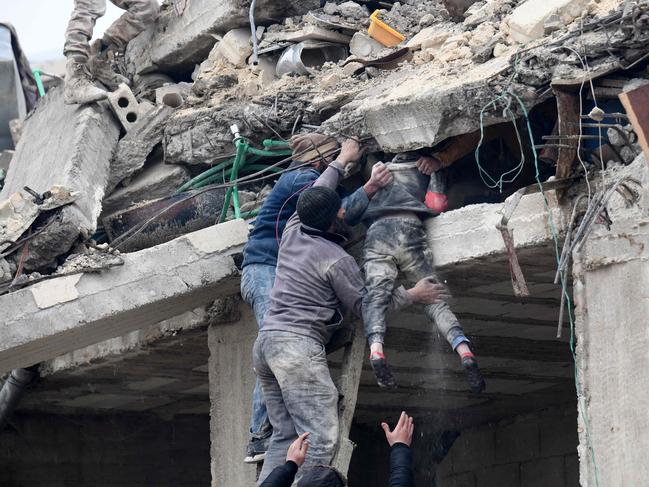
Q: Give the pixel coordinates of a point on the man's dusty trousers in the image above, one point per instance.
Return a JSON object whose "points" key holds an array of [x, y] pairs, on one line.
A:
{"points": [[300, 396], [393, 245], [138, 16]]}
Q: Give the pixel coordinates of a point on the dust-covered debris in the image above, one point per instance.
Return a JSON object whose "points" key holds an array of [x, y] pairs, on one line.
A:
{"points": [[459, 56]]}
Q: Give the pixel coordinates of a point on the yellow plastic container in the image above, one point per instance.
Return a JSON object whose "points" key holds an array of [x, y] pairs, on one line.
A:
{"points": [[382, 32]]}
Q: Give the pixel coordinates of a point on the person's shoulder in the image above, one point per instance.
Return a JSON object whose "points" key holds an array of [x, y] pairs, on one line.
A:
{"points": [[306, 174]]}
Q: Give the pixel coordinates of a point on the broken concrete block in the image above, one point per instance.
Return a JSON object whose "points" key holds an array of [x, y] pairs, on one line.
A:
{"points": [[500, 49], [353, 10], [75, 153], [178, 43], [426, 20], [63, 314], [126, 108], [527, 21], [138, 143], [350, 68], [552, 24], [363, 46], [429, 37], [482, 35], [157, 180], [454, 53], [267, 65], [309, 33], [18, 212], [235, 47], [183, 89]]}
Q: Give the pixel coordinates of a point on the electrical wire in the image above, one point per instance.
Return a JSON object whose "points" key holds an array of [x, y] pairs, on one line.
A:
{"points": [[251, 178], [279, 214], [516, 170], [586, 68]]}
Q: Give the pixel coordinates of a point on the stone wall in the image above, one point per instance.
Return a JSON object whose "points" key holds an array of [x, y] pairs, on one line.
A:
{"points": [[105, 451], [537, 450]]}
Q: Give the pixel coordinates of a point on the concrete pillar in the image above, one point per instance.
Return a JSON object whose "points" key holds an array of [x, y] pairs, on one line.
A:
{"points": [[231, 383], [611, 289]]}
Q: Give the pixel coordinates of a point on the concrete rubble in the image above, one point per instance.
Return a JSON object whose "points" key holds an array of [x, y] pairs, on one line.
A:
{"points": [[108, 224]]}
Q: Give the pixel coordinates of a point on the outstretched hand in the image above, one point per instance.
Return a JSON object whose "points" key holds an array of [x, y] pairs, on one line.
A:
{"points": [[350, 151], [298, 449], [427, 291], [402, 431]]}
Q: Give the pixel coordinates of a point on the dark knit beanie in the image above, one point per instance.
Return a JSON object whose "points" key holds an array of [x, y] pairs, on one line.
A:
{"points": [[317, 207]]}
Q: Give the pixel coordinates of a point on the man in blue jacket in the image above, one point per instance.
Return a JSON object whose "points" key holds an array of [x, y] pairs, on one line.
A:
{"points": [[260, 253]]}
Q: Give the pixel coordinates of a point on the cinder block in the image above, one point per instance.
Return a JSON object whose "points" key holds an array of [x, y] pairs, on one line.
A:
{"points": [[517, 442], [501, 476], [545, 472], [126, 108], [134, 148]]}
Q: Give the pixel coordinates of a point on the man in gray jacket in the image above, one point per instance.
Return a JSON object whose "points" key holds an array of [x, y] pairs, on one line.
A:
{"points": [[316, 282]]}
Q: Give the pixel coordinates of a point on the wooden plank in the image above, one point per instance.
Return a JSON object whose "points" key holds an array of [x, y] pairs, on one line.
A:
{"points": [[567, 124], [636, 103], [350, 378]]}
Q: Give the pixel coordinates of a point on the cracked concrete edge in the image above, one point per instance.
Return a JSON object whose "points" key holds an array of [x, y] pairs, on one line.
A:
{"points": [[154, 284], [115, 349], [470, 232]]}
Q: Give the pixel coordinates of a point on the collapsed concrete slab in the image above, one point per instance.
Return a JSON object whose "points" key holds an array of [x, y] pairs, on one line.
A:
{"points": [[156, 180], [67, 313], [179, 42], [477, 226], [419, 108], [70, 146]]}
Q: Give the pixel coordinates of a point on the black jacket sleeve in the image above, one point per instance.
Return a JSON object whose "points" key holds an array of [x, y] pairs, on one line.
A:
{"points": [[281, 476], [401, 474]]}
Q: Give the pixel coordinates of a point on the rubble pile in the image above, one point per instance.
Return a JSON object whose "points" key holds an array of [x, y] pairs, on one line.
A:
{"points": [[201, 85]]}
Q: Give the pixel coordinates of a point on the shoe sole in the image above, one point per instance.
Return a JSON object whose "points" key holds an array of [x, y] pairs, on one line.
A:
{"points": [[383, 374], [260, 457]]}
